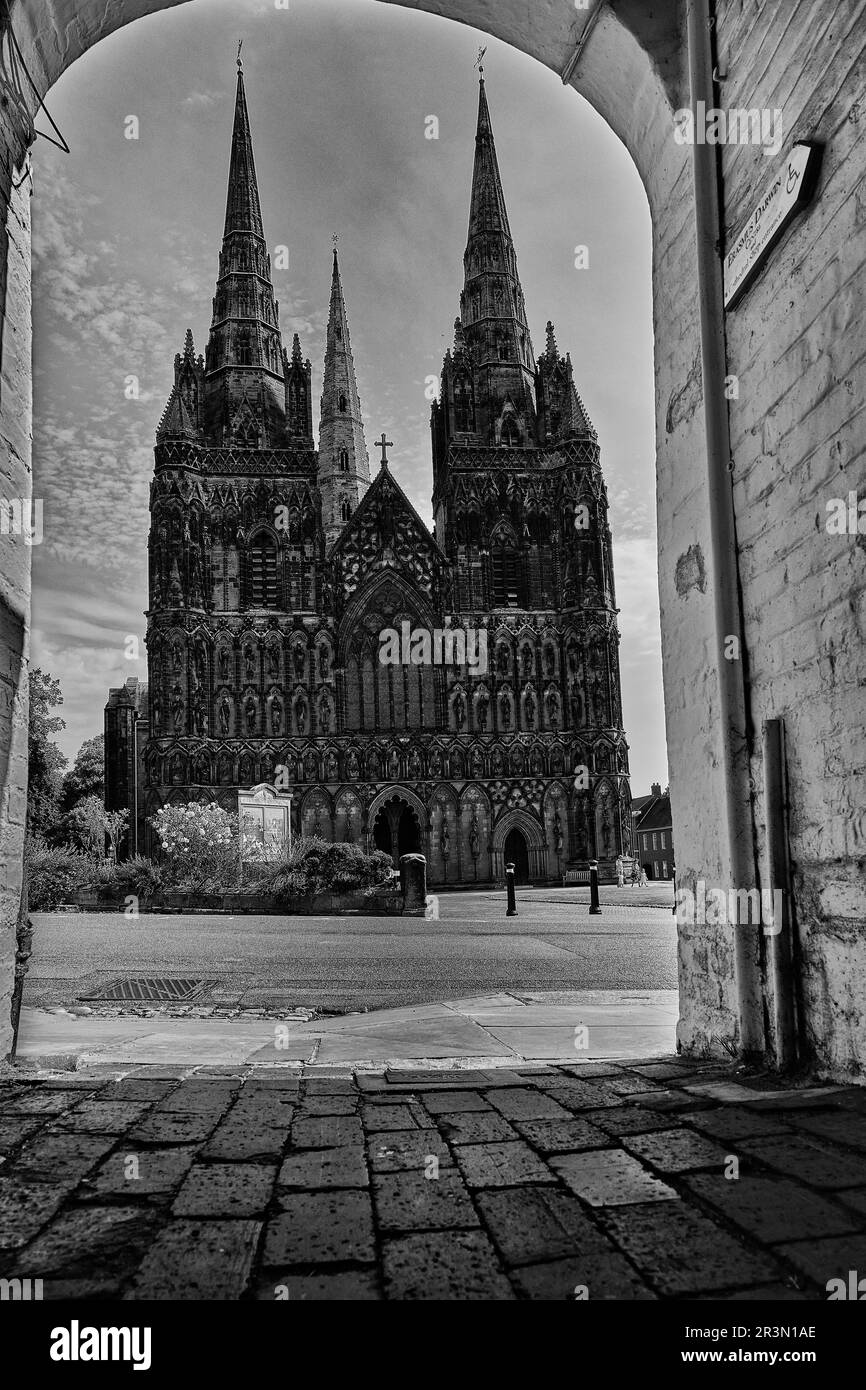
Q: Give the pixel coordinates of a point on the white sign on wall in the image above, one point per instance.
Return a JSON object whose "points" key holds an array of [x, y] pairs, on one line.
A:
{"points": [[265, 818], [791, 189]]}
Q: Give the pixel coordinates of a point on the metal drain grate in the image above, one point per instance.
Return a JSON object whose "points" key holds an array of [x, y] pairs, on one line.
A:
{"points": [[153, 989]]}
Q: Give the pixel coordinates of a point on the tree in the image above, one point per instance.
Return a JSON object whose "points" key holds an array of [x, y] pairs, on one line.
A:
{"points": [[87, 774], [45, 762], [115, 824], [85, 826]]}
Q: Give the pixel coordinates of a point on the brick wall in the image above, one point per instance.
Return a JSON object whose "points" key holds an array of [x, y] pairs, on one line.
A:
{"points": [[797, 343]]}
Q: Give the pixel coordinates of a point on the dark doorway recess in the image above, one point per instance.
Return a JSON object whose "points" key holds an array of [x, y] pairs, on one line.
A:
{"points": [[516, 853]]}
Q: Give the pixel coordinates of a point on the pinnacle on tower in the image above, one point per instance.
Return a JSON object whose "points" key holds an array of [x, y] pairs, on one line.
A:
{"points": [[344, 466]]}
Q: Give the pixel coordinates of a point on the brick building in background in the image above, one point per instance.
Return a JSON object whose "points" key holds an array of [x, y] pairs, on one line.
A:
{"points": [[276, 566], [654, 833]]}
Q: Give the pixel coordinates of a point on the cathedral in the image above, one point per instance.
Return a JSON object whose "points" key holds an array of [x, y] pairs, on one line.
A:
{"points": [[455, 693]]}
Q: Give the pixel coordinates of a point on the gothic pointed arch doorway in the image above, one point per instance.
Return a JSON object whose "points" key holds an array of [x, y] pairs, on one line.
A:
{"points": [[517, 853], [396, 830]]}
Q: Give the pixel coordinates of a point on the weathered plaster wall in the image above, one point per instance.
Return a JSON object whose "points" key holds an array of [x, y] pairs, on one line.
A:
{"points": [[797, 344]]}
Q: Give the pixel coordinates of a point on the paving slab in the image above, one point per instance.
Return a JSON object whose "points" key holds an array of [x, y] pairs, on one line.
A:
{"points": [[551, 1183], [606, 1177], [457, 1265], [680, 1252]]}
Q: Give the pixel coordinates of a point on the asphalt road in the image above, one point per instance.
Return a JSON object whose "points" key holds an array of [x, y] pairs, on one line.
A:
{"points": [[347, 963]]}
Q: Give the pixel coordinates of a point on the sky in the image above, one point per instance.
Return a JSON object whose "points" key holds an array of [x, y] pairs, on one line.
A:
{"points": [[126, 236]]}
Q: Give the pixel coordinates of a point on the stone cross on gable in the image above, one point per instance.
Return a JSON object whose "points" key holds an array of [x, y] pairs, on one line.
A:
{"points": [[385, 444]]}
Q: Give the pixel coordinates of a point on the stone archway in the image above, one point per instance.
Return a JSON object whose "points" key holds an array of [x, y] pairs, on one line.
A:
{"points": [[516, 852], [396, 829], [629, 60], [518, 834]]}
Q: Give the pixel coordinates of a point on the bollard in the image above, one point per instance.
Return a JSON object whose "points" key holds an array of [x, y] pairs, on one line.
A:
{"points": [[595, 910], [413, 881], [509, 884]]}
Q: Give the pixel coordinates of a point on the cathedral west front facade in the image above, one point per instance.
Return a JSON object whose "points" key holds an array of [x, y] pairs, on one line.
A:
{"points": [[278, 563]]}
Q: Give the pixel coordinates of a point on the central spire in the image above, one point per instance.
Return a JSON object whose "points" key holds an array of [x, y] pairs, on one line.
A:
{"points": [[344, 466]]}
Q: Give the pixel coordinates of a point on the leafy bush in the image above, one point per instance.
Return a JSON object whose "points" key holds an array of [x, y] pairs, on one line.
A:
{"points": [[53, 873], [138, 877], [199, 846], [314, 866]]}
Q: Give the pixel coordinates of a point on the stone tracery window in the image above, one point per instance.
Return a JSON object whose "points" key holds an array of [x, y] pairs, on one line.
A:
{"points": [[263, 572]]}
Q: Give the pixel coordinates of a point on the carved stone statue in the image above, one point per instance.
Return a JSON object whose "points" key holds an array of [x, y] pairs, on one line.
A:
{"points": [[273, 662], [474, 841], [529, 709], [324, 664], [177, 709], [482, 708], [504, 711], [459, 710], [225, 715], [249, 664], [300, 657], [301, 714], [552, 703], [224, 664], [250, 710], [325, 716], [444, 839], [276, 715]]}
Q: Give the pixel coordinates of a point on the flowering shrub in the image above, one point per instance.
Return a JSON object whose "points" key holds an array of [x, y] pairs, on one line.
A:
{"points": [[199, 845]]}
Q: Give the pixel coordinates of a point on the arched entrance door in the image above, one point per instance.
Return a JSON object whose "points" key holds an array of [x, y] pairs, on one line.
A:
{"points": [[396, 830], [517, 853]]}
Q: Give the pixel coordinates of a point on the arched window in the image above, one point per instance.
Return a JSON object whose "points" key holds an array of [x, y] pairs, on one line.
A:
{"points": [[244, 351], [345, 511], [505, 572], [510, 432], [263, 572], [344, 404], [344, 460], [463, 414]]}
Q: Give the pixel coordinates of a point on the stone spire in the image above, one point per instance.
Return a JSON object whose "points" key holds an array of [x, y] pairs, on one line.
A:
{"points": [[492, 307], [344, 466], [245, 367]]}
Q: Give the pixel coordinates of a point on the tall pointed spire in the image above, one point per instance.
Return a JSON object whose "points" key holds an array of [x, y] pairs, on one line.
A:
{"points": [[245, 368], [492, 307], [344, 466], [243, 211]]}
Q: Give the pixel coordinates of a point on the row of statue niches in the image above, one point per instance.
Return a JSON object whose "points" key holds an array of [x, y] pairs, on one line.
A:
{"points": [[594, 657], [194, 718], [315, 766], [252, 661]]}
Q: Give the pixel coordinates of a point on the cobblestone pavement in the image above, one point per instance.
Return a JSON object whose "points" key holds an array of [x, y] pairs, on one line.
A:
{"points": [[617, 1179]]}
